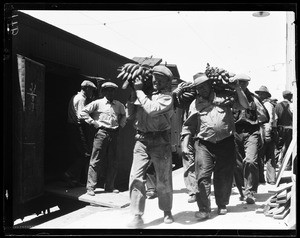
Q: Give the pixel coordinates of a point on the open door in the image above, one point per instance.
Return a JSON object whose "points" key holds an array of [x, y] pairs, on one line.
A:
{"points": [[29, 167]]}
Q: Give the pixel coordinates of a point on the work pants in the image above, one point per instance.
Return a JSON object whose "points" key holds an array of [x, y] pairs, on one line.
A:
{"points": [[104, 150], [157, 148], [248, 142], [217, 158]]}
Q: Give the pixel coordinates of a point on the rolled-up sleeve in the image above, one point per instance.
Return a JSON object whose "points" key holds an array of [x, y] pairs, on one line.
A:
{"points": [[161, 104], [86, 111]]}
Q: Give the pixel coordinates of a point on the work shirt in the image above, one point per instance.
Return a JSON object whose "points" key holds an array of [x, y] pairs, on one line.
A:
{"points": [[152, 113], [267, 127], [107, 114], [211, 120], [76, 104], [284, 113], [256, 115]]}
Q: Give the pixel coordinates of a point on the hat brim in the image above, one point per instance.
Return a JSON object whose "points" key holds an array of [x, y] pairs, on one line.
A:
{"points": [[269, 94]]}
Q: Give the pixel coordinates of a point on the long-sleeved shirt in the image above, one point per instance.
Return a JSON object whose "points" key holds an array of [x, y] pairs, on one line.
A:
{"points": [[76, 104], [107, 114], [211, 120], [152, 113]]}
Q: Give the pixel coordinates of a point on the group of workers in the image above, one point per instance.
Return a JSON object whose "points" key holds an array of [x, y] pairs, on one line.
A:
{"points": [[229, 134]]}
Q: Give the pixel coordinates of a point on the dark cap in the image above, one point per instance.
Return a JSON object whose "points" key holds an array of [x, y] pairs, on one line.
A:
{"points": [[163, 70], [286, 92]]}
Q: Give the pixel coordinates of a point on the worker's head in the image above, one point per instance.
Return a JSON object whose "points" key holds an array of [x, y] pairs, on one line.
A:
{"points": [[243, 80], [263, 92], [287, 95], [108, 90], [88, 88], [162, 78], [202, 84]]}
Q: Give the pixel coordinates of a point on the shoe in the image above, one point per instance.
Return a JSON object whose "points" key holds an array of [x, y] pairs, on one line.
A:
{"points": [[242, 198], [151, 194], [90, 192], [222, 210], [202, 215], [250, 199], [272, 183], [137, 222], [168, 218], [192, 198], [113, 190]]}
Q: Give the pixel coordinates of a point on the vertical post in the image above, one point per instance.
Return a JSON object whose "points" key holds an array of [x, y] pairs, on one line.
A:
{"points": [[291, 84]]}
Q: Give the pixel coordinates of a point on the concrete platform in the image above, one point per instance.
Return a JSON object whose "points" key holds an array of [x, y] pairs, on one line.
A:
{"points": [[240, 216], [101, 198]]}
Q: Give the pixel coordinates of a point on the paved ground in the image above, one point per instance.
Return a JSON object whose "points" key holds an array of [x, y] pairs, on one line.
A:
{"points": [[240, 216]]}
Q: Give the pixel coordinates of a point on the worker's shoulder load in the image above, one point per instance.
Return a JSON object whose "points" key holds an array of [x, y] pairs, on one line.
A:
{"points": [[184, 94], [132, 71], [221, 79]]}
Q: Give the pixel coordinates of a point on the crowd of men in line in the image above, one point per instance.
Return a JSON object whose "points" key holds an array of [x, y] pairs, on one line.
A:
{"points": [[229, 134]]}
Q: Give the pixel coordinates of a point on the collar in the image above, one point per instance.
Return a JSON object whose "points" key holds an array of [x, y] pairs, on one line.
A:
{"points": [[82, 94], [108, 102]]}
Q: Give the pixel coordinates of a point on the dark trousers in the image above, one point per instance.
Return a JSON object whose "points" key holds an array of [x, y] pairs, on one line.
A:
{"points": [[247, 142], [104, 153], [189, 175], [285, 136], [268, 157], [219, 159], [78, 150]]}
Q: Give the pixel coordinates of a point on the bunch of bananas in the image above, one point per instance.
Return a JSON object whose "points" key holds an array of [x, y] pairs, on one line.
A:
{"points": [[131, 71], [184, 94], [221, 78]]}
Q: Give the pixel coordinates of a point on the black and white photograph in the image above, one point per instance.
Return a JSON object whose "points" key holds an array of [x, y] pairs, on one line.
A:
{"points": [[150, 119]]}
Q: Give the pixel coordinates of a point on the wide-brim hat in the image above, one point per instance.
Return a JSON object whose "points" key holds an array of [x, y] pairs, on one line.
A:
{"points": [[87, 83], [199, 78], [109, 85], [162, 70], [263, 89]]}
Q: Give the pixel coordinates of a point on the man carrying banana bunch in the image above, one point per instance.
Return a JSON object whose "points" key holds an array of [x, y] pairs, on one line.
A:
{"points": [[152, 115], [211, 123]]}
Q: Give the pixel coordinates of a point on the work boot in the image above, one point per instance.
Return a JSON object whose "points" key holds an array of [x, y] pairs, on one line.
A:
{"points": [[201, 215], [192, 198], [90, 192], [137, 222], [151, 194], [168, 218], [250, 199], [222, 210]]}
